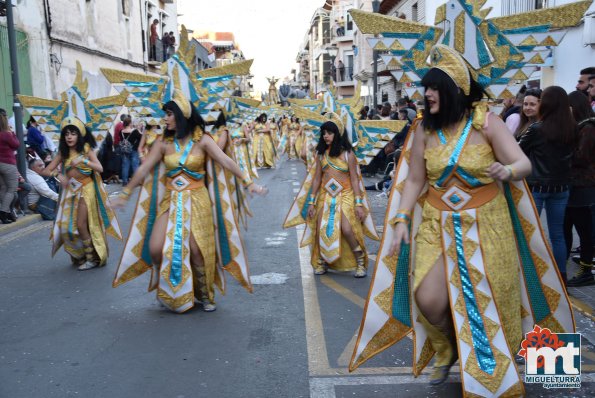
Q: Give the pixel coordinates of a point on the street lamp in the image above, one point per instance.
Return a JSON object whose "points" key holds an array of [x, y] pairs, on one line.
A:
{"points": [[375, 8]]}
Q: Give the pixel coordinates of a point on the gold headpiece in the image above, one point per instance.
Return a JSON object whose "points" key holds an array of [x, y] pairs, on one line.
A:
{"points": [[74, 121], [450, 62], [182, 103], [333, 117]]}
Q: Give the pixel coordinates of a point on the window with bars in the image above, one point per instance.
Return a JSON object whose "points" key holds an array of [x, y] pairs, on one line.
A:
{"points": [[510, 7]]}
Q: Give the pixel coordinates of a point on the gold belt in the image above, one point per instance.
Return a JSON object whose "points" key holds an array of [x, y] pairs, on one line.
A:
{"points": [[84, 180], [183, 182], [335, 186], [458, 198]]}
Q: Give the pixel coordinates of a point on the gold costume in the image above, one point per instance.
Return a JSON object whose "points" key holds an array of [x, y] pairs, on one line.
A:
{"points": [[293, 152], [200, 202], [200, 222], [86, 185], [335, 199], [242, 153], [262, 144], [499, 271]]}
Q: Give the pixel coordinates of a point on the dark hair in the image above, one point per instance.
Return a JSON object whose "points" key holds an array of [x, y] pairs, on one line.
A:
{"points": [[261, 118], [127, 121], [402, 102], [524, 122], [584, 115], [454, 104], [80, 142], [184, 127], [220, 120], [340, 141], [588, 71], [33, 161], [30, 121], [581, 109], [557, 123]]}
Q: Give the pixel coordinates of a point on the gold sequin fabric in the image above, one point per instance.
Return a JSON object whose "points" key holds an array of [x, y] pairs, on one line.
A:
{"points": [[201, 223], [346, 261], [262, 145]]}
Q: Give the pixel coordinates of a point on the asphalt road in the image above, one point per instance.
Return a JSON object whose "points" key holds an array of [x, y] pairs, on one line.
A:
{"points": [[65, 333]]}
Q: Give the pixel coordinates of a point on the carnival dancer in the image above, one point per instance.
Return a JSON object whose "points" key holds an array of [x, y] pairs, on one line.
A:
{"points": [[262, 144], [284, 134], [221, 135], [241, 140], [151, 134], [84, 214], [275, 136], [459, 221], [332, 202], [294, 133], [184, 232]]}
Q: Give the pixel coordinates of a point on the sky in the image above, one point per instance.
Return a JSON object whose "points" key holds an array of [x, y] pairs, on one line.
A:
{"points": [[268, 31]]}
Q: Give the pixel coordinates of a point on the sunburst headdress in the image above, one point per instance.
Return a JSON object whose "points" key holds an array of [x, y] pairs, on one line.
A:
{"points": [[336, 119], [74, 121], [450, 62]]}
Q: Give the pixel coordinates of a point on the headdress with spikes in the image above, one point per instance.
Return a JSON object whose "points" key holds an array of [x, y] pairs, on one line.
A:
{"points": [[497, 51], [97, 114]]}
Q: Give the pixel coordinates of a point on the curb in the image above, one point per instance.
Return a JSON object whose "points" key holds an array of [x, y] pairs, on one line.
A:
{"points": [[584, 308], [20, 223]]}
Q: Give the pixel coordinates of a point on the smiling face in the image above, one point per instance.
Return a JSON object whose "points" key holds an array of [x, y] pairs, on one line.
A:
{"points": [[170, 120], [530, 106], [328, 137], [71, 137], [433, 99]]}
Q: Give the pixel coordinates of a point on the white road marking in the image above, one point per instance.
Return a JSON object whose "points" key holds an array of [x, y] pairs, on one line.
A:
{"points": [[324, 387], [294, 172], [297, 184], [9, 237], [270, 278], [296, 190]]}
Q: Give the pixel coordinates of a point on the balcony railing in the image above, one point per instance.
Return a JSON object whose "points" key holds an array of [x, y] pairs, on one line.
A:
{"points": [[510, 7], [341, 75]]}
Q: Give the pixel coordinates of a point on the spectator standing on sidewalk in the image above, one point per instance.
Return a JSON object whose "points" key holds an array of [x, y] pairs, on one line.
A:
{"points": [[582, 84], [8, 168], [550, 144], [582, 192], [35, 138], [129, 140], [529, 112]]}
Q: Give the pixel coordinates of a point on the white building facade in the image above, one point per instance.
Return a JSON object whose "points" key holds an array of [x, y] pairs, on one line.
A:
{"points": [[97, 33]]}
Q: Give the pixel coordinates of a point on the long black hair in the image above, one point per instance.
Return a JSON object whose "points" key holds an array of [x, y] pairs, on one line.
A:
{"points": [[80, 142], [585, 117], [262, 118], [220, 120], [557, 123], [454, 104], [184, 127], [340, 141]]}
